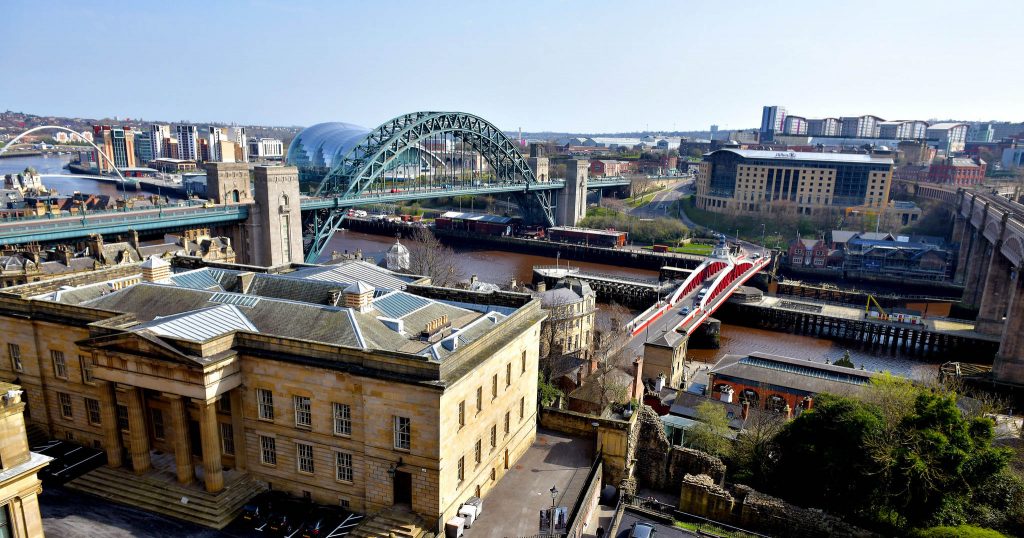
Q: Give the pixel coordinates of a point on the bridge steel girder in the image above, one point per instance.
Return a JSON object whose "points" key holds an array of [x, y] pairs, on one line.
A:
{"points": [[366, 163]]}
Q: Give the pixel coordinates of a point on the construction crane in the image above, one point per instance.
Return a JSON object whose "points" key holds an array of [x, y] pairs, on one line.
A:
{"points": [[867, 308]]}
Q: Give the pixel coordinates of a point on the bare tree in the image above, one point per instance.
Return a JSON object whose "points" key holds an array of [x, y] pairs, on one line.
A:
{"points": [[428, 257], [755, 451], [611, 353]]}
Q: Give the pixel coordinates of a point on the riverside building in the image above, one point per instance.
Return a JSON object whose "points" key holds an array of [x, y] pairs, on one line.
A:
{"points": [[752, 181], [347, 384]]}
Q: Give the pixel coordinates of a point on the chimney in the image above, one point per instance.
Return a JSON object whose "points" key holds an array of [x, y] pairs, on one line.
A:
{"points": [[65, 255], [133, 239], [472, 280], [155, 270], [542, 286], [659, 383], [359, 296], [789, 411]]}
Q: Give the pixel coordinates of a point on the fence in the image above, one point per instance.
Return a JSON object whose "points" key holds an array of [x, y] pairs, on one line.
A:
{"points": [[703, 526]]}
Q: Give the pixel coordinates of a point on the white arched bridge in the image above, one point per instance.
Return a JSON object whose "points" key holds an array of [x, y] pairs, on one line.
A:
{"points": [[415, 156], [701, 294]]}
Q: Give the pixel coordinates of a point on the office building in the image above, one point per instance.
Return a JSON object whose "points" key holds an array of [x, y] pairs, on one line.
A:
{"points": [[238, 137], [795, 125], [347, 383], [267, 149], [188, 142], [823, 127], [749, 181], [950, 137], [159, 135], [772, 121], [902, 129], [117, 144], [144, 147], [980, 132], [859, 126], [213, 139]]}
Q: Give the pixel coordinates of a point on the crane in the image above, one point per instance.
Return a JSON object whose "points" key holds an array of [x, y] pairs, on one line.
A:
{"points": [[867, 308]]}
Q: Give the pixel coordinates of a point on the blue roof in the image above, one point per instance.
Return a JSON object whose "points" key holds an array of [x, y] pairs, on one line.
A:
{"points": [[399, 304], [324, 144]]}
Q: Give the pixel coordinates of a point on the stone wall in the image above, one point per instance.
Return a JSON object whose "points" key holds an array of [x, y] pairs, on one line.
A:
{"points": [[746, 508], [616, 438], [661, 466]]}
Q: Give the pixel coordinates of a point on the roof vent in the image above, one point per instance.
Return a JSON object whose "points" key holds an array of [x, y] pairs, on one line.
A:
{"points": [[451, 343], [396, 325]]}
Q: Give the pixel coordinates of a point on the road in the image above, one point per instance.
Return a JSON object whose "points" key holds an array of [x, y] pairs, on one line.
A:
{"points": [[661, 203]]}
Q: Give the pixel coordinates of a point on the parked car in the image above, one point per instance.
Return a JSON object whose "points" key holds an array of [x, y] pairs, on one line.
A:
{"points": [[321, 522], [287, 520], [684, 311], [259, 509], [642, 529]]}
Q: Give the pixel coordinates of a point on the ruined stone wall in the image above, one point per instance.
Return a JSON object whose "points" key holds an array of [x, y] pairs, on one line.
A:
{"points": [[661, 466]]}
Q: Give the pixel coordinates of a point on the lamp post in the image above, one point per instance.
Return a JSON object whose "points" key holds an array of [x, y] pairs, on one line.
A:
{"points": [[551, 518], [762, 238]]}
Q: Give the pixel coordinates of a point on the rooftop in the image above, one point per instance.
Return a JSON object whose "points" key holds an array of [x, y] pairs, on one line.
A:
{"points": [[793, 374], [807, 156]]}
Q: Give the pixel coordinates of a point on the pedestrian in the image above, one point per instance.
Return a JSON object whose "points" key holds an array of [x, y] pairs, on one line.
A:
{"points": [[600, 532]]}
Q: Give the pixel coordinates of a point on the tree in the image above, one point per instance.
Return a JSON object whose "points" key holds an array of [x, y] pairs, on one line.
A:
{"points": [[610, 354], [845, 361], [755, 452], [711, 431], [429, 257]]}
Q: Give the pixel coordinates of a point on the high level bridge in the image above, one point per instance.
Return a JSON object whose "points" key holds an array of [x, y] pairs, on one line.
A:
{"points": [[417, 156]]}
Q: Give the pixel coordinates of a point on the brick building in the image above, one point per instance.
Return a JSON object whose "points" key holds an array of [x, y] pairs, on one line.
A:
{"points": [[958, 171], [808, 252], [345, 383], [782, 384]]}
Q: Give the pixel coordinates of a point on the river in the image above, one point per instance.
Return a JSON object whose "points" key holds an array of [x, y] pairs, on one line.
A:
{"points": [[54, 164], [500, 267]]}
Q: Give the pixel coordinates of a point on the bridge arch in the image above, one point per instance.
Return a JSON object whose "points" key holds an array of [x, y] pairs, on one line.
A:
{"points": [[99, 152], [365, 162]]}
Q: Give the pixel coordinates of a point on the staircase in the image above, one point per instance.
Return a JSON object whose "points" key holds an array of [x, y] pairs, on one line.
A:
{"points": [[215, 510], [394, 522]]}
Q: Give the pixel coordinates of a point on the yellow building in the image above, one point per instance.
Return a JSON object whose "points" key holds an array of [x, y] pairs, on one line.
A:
{"points": [[19, 485], [347, 384], [805, 183]]}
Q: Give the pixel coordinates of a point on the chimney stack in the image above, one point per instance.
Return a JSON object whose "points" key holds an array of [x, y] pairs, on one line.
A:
{"points": [[359, 296], [155, 270]]}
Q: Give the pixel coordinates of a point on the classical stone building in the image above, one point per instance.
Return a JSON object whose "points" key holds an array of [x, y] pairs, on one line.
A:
{"points": [[344, 383], [567, 336], [19, 485]]}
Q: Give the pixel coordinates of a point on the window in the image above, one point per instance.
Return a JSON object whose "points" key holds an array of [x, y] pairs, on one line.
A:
{"points": [[494, 386], [479, 399], [462, 413], [265, 400], [227, 438], [122, 417], [522, 407], [224, 404], [303, 416], [494, 436], [86, 365], [342, 419], [92, 412], [14, 350], [65, 404], [508, 375], [304, 457], [508, 422], [403, 433], [158, 423], [523, 360], [60, 366], [461, 470], [268, 450], [343, 461], [477, 452]]}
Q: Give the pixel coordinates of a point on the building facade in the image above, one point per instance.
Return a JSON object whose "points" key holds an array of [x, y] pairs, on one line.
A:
{"points": [[950, 137], [823, 127], [19, 484], [347, 383], [958, 171], [160, 135], [118, 145], [773, 120], [568, 332], [859, 126], [752, 181], [188, 142], [795, 125], [266, 149]]}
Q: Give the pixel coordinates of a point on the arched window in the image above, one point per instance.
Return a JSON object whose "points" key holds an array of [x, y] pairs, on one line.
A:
{"points": [[234, 196], [775, 403], [749, 396]]}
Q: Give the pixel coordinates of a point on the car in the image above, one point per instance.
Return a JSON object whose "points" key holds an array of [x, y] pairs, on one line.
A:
{"points": [[393, 191], [446, 187], [258, 509], [287, 518], [322, 521], [757, 255], [684, 311], [642, 529]]}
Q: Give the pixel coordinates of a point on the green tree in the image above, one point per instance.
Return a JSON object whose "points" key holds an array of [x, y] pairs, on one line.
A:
{"points": [[711, 431], [845, 361], [962, 531]]}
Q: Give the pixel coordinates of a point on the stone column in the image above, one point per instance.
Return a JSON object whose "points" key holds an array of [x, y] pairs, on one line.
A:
{"points": [[238, 427], [1009, 362], [996, 296], [137, 432], [108, 415], [966, 239], [209, 434], [977, 264], [179, 432]]}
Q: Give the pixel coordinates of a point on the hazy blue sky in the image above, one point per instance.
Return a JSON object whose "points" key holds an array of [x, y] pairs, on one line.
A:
{"points": [[585, 66]]}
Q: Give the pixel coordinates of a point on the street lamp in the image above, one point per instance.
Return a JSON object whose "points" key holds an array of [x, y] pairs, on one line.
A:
{"points": [[762, 237], [554, 494]]}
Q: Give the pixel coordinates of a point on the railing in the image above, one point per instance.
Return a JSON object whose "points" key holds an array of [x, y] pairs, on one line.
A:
{"points": [[95, 212]]}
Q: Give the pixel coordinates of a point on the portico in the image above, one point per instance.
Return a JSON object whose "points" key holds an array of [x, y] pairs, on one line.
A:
{"points": [[158, 396]]}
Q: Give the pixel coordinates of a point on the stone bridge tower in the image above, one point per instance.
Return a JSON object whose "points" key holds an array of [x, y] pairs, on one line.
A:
{"points": [[572, 199], [276, 218]]}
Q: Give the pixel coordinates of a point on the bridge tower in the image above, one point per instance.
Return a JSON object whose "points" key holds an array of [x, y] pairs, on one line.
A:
{"points": [[538, 163], [276, 219], [572, 199], [228, 183]]}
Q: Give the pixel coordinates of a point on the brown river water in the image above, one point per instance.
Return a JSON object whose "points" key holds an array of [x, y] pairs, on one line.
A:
{"points": [[500, 267]]}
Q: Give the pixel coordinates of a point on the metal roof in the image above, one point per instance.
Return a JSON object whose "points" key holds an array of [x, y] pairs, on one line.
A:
{"points": [[203, 324], [237, 299], [806, 156], [199, 279], [355, 271], [818, 370], [399, 304], [460, 215]]}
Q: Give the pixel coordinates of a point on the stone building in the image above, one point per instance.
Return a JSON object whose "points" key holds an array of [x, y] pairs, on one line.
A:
{"points": [[567, 335], [19, 485], [344, 383]]}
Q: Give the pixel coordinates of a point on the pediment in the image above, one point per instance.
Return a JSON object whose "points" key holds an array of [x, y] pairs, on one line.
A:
{"points": [[141, 344]]}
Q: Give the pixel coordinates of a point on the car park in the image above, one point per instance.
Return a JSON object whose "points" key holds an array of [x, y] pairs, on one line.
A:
{"points": [[69, 461], [256, 511], [330, 522], [286, 519]]}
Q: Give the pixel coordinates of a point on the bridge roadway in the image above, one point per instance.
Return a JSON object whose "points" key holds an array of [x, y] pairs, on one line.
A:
{"points": [[46, 229], [721, 275]]}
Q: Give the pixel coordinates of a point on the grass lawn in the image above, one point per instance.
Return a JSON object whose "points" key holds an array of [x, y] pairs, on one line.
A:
{"points": [[701, 250], [711, 530], [642, 200]]}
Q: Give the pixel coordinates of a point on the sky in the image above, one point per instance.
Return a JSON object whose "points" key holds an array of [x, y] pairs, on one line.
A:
{"points": [[568, 66]]}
